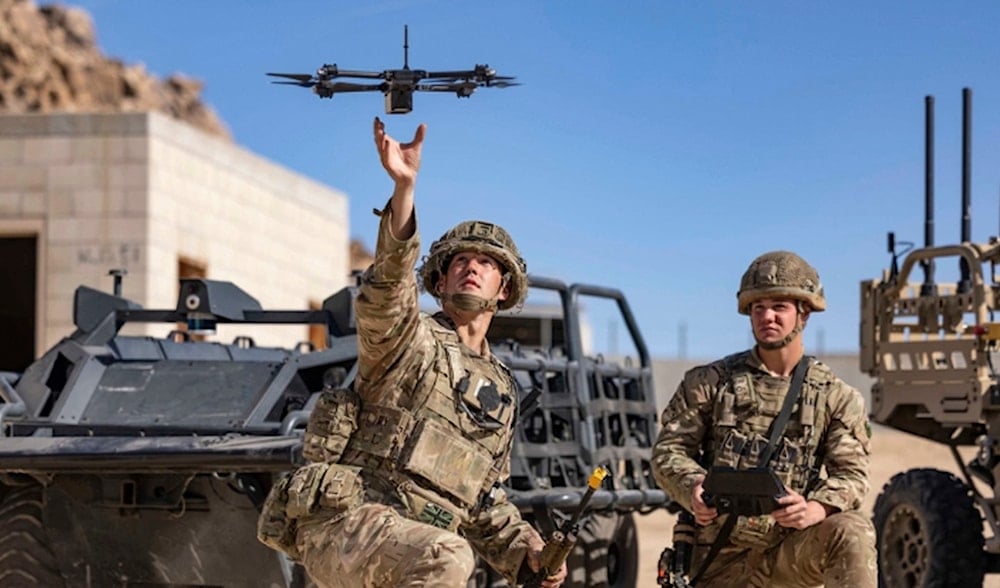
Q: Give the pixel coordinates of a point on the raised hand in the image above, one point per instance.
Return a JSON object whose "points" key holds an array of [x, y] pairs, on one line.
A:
{"points": [[400, 160]]}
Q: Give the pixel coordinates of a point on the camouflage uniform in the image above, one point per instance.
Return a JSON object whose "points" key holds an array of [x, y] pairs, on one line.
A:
{"points": [[721, 415], [434, 435]]}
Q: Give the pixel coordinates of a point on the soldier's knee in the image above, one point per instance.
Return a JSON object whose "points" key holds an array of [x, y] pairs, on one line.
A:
{"points": [[850, 530], [850, 550], [451, 556]]}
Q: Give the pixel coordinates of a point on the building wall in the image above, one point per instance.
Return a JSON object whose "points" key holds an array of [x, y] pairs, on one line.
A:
{"points": [[139, 191]]}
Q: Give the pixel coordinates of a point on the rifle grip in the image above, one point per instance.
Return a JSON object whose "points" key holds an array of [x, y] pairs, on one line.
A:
{"points": [[555, 552]]}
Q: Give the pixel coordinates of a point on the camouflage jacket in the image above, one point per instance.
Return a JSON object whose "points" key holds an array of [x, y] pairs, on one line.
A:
{"points": [[406, 358], [721, 413]]}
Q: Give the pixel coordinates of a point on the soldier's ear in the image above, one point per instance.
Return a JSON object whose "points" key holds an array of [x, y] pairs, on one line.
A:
{"points": [[504, 292]]}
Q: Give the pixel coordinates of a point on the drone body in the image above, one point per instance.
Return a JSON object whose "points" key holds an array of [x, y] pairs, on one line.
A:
{"points": [[398, 85]]}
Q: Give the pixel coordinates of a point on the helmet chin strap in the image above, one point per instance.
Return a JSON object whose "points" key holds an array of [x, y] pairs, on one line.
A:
{"points": [[472, 303]]}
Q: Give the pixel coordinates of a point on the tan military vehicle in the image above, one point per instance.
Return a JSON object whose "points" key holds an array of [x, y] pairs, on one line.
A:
{"points": [[932, 348]]}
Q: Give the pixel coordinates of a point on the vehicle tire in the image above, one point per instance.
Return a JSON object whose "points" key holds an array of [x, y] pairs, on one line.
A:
{"points": [[606, 552], [25, 556], [929, 532]]}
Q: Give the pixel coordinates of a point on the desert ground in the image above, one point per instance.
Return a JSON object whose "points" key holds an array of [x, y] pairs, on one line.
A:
{"points": [[892, 452]]}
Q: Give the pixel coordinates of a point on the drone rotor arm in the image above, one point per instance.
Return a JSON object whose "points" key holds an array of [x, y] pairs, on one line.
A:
{"points": [[341, 87], [453, 75], [443, 87], [366, 75], [460, 89]]}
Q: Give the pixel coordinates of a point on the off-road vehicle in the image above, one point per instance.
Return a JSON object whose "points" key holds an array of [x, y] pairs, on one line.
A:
{"points": [[932, 348]]}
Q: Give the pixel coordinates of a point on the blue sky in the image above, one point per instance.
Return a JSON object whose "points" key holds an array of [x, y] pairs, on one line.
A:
{"points": [[654, 146]]}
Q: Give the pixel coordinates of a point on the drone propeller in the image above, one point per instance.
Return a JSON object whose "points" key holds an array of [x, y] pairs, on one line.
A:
{"points": [[502, 84], [303, 79]]}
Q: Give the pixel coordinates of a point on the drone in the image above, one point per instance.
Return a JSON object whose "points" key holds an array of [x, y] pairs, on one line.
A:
{"points": [[398, 85]]}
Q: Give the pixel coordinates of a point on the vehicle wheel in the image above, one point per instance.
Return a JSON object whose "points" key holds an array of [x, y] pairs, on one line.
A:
{"points": [[25, 556], [606, 552], [929, 532]]}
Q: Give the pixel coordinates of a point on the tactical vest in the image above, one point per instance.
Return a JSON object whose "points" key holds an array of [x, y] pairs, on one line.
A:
{"points": [[441, 453], [745, 407]]}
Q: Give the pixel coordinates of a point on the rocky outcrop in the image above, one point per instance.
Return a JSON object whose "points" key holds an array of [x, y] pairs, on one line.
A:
{"points": [[50, 62], [360, 256]]}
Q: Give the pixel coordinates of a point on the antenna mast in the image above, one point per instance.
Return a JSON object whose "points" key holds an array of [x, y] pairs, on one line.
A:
{"points": [[406, 47]]}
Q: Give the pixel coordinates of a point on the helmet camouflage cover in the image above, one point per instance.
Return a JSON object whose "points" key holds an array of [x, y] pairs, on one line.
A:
{"points": [[780, 274], [481, 237]]}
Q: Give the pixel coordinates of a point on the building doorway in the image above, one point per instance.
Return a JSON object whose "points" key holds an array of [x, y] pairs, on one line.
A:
{"points": [[18, 301]]}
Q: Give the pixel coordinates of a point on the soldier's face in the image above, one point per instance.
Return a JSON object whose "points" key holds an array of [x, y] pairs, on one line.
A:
{"points": [[474, 273], [773, 319]]}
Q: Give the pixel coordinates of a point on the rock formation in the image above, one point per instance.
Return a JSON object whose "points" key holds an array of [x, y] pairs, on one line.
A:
{"points": [[360, 257], [50, 62]]}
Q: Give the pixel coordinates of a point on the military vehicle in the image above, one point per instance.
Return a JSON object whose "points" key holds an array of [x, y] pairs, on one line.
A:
{"points": [[932, 348], [130, 460]]}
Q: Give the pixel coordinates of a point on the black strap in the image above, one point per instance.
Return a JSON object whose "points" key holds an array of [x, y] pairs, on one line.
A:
{"points": [[777, 430], [779, 424], [720, 540]]}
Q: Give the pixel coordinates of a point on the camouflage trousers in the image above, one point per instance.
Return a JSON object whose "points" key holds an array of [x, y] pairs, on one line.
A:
{"points": [[374, 546], [839, 551]]}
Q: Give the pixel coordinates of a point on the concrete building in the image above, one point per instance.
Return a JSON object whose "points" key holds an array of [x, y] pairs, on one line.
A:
{"points": [[81, 194]]}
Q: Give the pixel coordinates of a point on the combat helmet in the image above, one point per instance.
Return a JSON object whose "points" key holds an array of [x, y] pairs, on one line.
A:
{"points": [[481, 237], [780, 274]]}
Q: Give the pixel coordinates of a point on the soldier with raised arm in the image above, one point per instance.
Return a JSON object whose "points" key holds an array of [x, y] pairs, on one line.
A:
{"points": [[416, 491]]}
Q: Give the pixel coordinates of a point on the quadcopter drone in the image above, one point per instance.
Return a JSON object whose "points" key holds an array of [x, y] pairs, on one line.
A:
{"points": [[398, 85]]}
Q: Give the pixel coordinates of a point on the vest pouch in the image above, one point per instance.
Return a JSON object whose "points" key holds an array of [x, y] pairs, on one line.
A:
{"points": [[447, 460], [791, 465], [322, 490], [331, 423], [730, 450], [303, 490], [341, 490], [381, 430], [752, 451], [274, 528]]}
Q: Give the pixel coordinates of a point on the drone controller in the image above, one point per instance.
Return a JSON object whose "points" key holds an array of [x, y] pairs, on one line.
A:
{"points": [[750, 493]]}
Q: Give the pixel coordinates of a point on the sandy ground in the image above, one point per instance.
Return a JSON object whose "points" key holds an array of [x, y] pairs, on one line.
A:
{"points": [[892, 452]]}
